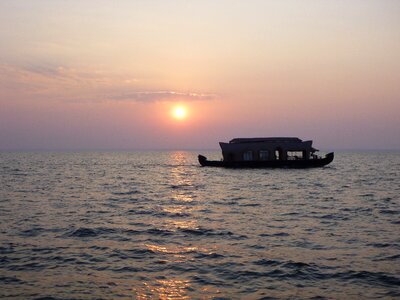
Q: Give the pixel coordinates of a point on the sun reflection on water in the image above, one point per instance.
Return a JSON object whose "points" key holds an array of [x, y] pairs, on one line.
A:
{"points": [[181, 178], [182, 195], [179, 211], [163, 290], [183, 224], [171, 249]]}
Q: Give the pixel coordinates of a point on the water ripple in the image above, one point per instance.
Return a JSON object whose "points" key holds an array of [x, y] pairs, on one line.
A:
{"points": [[155, 225]]}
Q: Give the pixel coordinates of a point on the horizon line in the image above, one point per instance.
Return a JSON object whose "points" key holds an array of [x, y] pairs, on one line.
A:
{"points": [[171, 149]]}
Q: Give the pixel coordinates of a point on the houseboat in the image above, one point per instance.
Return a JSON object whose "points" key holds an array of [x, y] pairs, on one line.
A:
{"points": [[268, 152]]}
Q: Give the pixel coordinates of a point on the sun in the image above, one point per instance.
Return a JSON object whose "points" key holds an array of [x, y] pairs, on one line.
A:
{"points": [[179, 112]]}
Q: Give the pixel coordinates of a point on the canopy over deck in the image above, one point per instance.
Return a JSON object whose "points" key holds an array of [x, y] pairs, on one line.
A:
{"points": [[265, 140]]}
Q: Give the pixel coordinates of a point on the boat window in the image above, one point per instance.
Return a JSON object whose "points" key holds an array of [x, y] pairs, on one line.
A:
{"points": [[293, 155], [248, 155], [263, 154], [277, 154]]}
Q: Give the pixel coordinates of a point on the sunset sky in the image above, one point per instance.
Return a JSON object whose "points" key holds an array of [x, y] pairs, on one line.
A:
{"points": [[98, 75]]}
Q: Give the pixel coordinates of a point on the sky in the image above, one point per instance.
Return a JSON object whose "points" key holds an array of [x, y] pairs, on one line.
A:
{"points": [[106, 75]]}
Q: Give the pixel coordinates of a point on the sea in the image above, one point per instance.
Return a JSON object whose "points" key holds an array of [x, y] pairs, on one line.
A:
{"points": [[156, 225]]}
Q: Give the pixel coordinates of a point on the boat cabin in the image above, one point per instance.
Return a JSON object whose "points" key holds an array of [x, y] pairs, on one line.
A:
{"points": [[267, 149]]}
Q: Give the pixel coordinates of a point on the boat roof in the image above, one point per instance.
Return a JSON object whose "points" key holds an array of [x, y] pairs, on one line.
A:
{"points": [[265, 140]]}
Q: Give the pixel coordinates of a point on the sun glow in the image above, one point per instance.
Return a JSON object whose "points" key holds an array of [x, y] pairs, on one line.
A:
{"points": [[179, 112]]}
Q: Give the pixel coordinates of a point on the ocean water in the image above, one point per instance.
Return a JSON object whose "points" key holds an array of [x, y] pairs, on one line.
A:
{"points": [[156, 225]]}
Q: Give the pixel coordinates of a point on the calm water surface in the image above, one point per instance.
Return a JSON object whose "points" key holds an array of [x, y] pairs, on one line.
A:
{"points": [[156, 225]]}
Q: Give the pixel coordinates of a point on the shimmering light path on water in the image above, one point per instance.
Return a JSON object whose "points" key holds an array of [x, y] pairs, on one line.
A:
{"points": [[156, 225]]}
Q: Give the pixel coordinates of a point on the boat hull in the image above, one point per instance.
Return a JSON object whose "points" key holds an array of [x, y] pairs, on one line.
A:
{"points": [[295, 164]]}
